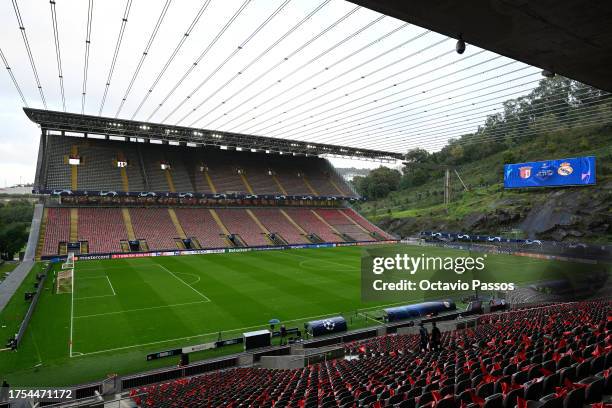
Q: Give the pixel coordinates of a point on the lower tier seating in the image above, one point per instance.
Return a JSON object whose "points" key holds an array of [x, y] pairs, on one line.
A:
{"points": [[553, 356], [105, 228], [57, 230]]}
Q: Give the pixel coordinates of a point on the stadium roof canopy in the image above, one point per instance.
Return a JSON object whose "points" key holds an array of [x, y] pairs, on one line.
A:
{"points": [[570, 37], [87, 125], [325, 73]]}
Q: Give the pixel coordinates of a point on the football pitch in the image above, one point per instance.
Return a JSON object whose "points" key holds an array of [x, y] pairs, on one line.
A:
{"points": [[120, 310]]}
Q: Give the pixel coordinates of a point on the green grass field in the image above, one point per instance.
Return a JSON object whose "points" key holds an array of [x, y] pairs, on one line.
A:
{"points": [[120, 310]]}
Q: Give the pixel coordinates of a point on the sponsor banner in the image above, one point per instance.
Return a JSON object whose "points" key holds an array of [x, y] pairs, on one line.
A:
{"points": [[198, 347], [190, 195], [549, 173], [86, 257], [94, 257]]}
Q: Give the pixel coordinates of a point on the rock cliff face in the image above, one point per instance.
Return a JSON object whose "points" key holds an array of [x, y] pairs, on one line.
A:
{"points": [[570, 214]]}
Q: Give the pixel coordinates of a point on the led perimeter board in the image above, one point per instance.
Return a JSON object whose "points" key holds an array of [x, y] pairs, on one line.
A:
{"points": [[550, 173]]}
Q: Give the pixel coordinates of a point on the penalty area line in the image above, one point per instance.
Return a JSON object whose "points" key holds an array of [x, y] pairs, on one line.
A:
{"points": [[185, 283]]}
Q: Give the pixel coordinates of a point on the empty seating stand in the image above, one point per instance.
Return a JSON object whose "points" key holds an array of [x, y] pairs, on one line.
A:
{"points": [[155, 226], [344, 225], [99, 170], [555, 356], [276, 223], [365, 223], [57, 230], [103, 228], [198, 223], [311, 224], [239, 222]]}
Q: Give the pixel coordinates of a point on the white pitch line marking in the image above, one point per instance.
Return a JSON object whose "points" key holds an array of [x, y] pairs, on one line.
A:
{"points": [[72, 309], [200, 335], [185, 283], [139, 309], [92, 297], [111, 285]]}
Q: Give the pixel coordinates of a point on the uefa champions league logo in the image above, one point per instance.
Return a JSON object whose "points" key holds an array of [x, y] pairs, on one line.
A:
{"points": [[545, 172], [329, 325]]}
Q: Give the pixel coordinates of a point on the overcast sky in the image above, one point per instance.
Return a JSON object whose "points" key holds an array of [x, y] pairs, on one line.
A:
{"points": [[346, 75]]}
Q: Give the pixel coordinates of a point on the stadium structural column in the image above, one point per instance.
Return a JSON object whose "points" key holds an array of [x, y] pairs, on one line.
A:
{"points": [[310, 187], [177, 224], [279, 185], [295, 224], [361, 227], [127, 220], [246, 183], [74, 173], [74, 224], [217, 219], [168, 174], [211, 185], [42, 232], [326, 223]]}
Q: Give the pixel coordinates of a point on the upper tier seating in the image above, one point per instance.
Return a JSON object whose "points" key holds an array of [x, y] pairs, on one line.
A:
{"points": [[98, 170], [555, 356]]}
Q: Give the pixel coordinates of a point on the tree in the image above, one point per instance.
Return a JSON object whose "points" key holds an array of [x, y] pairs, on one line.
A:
{"points": [[12, 238], [379, 183]]}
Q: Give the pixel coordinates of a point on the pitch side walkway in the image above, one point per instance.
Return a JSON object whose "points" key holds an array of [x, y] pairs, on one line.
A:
{"points": [[14, 279]]}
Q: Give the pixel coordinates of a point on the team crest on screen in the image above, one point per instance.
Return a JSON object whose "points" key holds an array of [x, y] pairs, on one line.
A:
{"points": [[329, 325], [565, 169], [525, 172]]}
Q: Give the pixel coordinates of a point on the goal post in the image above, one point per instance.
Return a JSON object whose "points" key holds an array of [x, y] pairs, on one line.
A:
{"points": [[69, 264], [64, 278], [63, 281]]}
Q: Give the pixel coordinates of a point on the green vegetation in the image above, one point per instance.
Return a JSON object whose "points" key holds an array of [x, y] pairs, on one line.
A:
{"points": [[15, 217], [124, 309], [548, 123]]}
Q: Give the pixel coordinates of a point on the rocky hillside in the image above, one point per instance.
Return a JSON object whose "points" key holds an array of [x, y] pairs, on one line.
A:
{"points": [[568, 214]]}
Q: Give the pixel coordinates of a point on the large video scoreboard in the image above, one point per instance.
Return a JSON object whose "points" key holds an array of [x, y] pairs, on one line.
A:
{"points": [[550, 173]]}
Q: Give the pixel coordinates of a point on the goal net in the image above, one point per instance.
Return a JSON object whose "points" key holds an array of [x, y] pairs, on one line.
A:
{"points": [[64, 277], [69, 264], [63, 282]]}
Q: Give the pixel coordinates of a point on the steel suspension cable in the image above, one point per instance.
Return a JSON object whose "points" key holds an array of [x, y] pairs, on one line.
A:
{"points": [[58, 55], [87, 44], [292, 54], [246, 100], [184, 37], [26, 43], [124, 20], [10, 72], [218, 68], [144, 55], [361, 77], [317, 57]]}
